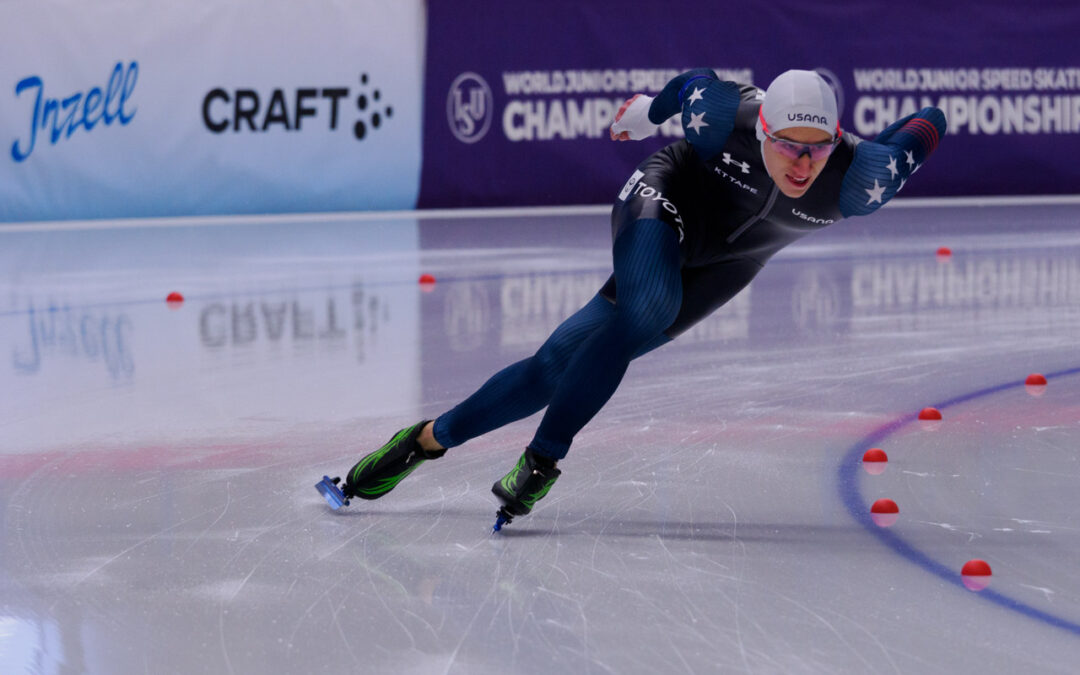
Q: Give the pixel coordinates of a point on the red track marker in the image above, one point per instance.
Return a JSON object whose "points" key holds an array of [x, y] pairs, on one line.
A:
{"points": [[884, 513], [1035, 384], [875, 461], [975, 575]]}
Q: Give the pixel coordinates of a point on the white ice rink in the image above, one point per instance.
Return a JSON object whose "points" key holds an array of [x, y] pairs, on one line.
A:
{"points": [[157, 465]]}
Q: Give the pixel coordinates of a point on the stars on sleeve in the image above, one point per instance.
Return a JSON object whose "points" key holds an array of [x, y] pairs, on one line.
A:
{"points": [[879, 171], [876, 193], [892, 167], [695, 96], [696, 122]]}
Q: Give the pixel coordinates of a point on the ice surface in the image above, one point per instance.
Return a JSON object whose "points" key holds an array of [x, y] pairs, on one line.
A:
{"points": [[156, 465]]}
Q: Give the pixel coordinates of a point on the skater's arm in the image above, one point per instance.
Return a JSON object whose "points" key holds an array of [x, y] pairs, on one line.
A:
{"points": [[707, 104], [671, 98], [881, 167]]}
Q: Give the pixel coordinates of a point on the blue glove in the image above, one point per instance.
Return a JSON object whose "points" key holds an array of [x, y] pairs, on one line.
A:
{"points": [[882, 166]]}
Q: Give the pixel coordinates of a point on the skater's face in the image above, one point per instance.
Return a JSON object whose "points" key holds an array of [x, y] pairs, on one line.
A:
{"points": [[794, 176]]}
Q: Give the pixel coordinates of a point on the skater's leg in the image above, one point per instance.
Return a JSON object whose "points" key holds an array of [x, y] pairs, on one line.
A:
{"points": [[523, 388], [649, 294], [703, 290], [647, 262]]}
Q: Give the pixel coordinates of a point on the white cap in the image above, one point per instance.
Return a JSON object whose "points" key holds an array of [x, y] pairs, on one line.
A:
{"points": [[798, 98]]}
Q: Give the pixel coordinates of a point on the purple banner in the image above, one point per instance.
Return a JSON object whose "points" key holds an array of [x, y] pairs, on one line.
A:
{"points": [[519, 96]]}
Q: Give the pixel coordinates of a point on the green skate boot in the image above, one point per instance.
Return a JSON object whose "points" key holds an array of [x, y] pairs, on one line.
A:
{"points": [[381, 471], [525, 485]]}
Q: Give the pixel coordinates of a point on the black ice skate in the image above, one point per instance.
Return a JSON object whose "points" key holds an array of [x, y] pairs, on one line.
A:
{"points": [[381, 471], [525, 485]]}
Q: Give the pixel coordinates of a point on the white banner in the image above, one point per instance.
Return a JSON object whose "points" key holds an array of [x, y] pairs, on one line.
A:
{"points": [[128, 109]]}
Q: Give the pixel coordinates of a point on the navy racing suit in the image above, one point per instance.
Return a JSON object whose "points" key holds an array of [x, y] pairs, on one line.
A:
{"points": [[691, 227], [713, 189]]}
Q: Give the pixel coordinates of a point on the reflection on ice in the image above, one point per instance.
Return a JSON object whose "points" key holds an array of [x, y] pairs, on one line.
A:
{"points": [[156, 466]]}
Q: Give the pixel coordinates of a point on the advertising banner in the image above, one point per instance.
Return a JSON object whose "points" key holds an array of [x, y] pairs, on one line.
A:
{"points": [[130, 109], [519, 96]]}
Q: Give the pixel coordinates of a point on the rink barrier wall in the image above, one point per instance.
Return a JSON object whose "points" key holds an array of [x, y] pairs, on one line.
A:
{"points": [[468, 213]]}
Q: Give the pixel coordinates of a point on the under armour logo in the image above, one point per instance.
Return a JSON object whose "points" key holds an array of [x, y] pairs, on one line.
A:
{"points": [[742, 165]]}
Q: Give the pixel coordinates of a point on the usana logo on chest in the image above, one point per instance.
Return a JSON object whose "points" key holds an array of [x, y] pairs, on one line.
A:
{"points": [[811, 219]]}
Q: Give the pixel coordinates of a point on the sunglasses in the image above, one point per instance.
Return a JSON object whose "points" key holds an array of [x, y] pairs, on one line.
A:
{"points": [[794, 150]]}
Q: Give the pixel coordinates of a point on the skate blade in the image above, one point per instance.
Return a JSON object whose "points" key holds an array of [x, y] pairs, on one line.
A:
{"points": [[333, 494], [500, 520]]}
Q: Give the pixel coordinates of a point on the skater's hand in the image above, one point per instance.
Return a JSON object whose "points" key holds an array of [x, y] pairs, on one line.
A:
{"points": [[632, 120]]}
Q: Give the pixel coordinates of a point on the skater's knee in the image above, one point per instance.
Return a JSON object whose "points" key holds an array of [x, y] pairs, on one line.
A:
{"points": [[648, 315], [545, 366]]}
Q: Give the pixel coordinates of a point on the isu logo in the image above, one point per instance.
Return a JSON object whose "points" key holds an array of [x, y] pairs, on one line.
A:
{"points": [[742, 165], [469, 107]]}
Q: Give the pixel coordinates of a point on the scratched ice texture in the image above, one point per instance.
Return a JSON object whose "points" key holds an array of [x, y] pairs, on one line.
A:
{"points": [[157, 465]]}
